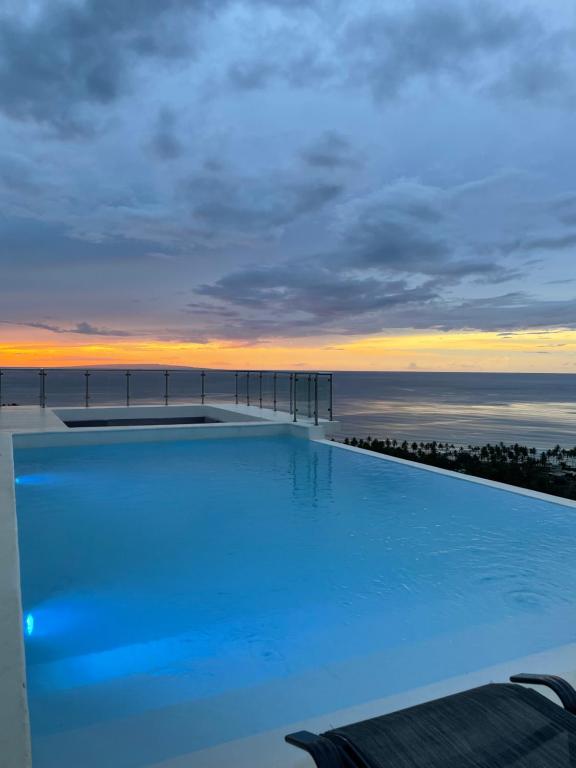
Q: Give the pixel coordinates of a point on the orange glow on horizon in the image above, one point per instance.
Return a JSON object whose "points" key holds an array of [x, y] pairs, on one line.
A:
{"points": [[544, 351]]}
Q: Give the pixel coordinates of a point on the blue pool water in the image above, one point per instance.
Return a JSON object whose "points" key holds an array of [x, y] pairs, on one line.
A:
{"points": [[180, 595]]}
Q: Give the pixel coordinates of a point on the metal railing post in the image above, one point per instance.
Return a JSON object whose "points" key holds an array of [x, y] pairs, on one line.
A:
{"points": [[274, 377], [203, 388], [236, 387], [42, 388], [166, 377], [1, 374], [316, 399], [330, 401], [295, 398], [247, 387], [260, 389], [290, 393], [128, 387], [309, 401], [86, 389]]}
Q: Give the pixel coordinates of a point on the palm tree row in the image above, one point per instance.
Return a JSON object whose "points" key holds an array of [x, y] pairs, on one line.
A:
{"points": [[550, 471]]}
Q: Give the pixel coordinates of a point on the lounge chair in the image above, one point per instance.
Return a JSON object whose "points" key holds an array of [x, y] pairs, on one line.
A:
{"points": [[494, 726]]}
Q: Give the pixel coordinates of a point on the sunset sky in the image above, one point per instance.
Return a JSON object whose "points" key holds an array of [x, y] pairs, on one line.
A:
{"points": [[288, 184]]}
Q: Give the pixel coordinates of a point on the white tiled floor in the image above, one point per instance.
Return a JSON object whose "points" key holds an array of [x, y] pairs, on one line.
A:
{"points": [[29, 418]]}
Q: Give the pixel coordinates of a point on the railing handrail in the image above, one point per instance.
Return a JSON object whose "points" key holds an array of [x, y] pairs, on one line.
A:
{"points": [[298, 403], [160, 369]]}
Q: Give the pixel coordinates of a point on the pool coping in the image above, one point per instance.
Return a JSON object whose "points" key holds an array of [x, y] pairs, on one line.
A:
{"points": [[455, 475], [15, 745]]}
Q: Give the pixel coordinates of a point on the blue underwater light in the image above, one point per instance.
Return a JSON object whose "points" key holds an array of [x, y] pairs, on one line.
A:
{"points": [[29, 624]]}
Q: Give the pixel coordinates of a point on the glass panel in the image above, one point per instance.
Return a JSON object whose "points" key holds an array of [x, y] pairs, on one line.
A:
{"points": [[324, 401], [220, 386], [303, 394], [107, 387], [65, 386], [20, 386], [184, 386], [147, 387], [283, 392]]}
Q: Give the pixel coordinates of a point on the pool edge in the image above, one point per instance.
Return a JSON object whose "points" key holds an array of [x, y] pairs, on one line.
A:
{"points": [[15, 744], [560, 500]]}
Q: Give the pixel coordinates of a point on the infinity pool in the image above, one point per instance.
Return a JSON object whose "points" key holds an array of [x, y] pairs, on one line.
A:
{"points": [[181, 595]]}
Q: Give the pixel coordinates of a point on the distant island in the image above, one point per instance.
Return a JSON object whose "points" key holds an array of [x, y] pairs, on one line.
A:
{"points": [[550, 471]]}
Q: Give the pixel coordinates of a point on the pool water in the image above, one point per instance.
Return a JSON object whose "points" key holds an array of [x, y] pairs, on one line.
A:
{"points": [[180, 595]]}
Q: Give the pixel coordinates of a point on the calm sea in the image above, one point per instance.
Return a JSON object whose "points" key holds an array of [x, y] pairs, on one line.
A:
{"points": [[533, 409]]}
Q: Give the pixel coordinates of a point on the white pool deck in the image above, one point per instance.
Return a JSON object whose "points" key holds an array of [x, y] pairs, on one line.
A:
{"points": [[35, 426]]}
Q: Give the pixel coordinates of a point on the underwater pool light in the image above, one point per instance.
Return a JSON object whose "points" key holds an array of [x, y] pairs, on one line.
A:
{"points": [[29, 624]]}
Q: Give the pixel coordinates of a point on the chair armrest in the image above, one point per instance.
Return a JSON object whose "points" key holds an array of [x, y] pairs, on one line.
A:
{"points": [[561, 688], [302, 739]]}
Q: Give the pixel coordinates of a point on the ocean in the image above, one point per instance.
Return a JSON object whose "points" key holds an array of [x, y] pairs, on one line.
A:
{"points": [[533, 409], [538, 410]]}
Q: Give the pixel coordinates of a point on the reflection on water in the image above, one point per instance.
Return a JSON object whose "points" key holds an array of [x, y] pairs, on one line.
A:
{"points": [[535, 409]]}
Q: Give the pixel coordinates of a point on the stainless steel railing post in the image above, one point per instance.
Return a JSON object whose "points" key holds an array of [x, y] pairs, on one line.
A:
{"points": [[42, 375], [166, 377], [1, 374], [274, 376], [236, 387], [128, 387], [309, 401], [203, 389], [295, 397], [260, 389], [316, 399], [291, 393], [330, 402], [86, 389], [247, 387]]}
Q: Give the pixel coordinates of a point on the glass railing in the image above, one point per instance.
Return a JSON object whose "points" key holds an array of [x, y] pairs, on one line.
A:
{"points": [[306, 395]]}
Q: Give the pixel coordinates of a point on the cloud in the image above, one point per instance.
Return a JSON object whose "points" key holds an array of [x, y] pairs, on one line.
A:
{"points": [[253, 205], [165, 143], [76, 54], [295, 300], [408, 227], [398, 256], [502, 52], [330, 151], [548, 243], [82, 328], [565, 209], [310, 303]]}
